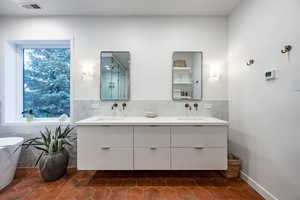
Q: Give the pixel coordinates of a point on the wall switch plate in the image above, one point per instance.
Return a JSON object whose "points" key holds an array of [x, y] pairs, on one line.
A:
{"points": [[270, 75], [208, 106]]}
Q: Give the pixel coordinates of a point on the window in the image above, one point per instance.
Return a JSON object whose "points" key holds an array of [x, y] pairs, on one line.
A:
{"points": [[46, 81], [37, 79]]}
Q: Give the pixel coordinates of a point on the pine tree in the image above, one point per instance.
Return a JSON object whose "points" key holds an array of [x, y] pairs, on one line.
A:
{"points": [[47, 81]]}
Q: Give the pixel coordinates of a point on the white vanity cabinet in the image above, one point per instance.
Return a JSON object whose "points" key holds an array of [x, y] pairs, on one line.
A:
{"points": [[199, 147], [152, 147], [105, 148]]}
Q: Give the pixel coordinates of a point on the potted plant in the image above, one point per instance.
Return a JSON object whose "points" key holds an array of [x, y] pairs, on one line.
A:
{"points": [[54, 157], [28, 115]]}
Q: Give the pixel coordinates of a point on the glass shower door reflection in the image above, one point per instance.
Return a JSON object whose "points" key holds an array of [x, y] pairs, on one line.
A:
{"points": [[114, 76]]}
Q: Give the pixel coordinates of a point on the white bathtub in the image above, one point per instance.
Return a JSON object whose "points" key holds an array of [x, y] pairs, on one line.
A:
{"points": [[9, 159]]}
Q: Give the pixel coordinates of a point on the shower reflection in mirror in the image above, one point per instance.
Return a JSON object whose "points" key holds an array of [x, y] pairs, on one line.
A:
{"points": [[114, 77]]}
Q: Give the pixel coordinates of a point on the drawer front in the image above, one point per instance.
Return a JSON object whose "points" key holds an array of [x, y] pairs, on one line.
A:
{"points": [[199, 136], [105, 159], [152, 158], [147, 136], [199, 159], [99, 136]]}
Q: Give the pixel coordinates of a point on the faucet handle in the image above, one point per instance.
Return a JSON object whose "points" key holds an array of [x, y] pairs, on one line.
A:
{"points": [[124, 105], [196, 106]]}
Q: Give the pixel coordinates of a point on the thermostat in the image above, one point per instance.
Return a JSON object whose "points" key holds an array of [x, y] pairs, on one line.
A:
{"points": [[270, 74]]}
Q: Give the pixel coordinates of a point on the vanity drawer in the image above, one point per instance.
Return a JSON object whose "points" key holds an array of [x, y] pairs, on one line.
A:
{"points": [[147, 136], [152, 158], [112, 136], [199, 136], [199, 159], [104, 158]]}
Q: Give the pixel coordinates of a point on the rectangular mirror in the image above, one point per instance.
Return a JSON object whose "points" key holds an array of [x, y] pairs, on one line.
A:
{"points": [[187, 76], [115, 76]]}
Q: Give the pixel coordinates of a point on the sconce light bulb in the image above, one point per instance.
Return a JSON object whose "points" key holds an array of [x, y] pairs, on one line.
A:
{"points": [[215, 73], [87, 72]]}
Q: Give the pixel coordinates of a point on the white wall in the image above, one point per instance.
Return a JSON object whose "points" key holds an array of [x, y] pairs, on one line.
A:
{"points": [[1, 70], [265, 116], [151, 41]]}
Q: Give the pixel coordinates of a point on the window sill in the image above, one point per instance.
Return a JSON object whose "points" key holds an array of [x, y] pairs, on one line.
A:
{"points": [[36, 122]]}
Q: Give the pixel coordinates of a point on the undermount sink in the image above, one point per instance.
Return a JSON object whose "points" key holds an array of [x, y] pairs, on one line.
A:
{"points": [[107, 118], [144, 121], [191, 118]]}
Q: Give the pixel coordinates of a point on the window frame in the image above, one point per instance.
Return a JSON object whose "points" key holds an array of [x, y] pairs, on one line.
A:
{"points": [[20, 80]]}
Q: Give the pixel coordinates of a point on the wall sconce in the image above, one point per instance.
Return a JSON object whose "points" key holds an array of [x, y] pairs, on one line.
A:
{"points": [[287, 49], [87, 72], [250, 62], [215, 73]]}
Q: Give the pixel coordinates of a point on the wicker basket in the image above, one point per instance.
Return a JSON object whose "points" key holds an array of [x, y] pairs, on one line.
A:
{"points": [[179, 63], [234, 166]]}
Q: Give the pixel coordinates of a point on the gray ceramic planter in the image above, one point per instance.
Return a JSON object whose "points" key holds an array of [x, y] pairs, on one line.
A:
{"points": [[54, 165]]}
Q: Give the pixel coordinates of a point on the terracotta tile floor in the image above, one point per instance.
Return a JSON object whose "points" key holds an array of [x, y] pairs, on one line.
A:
{"points": [[127, 185]]}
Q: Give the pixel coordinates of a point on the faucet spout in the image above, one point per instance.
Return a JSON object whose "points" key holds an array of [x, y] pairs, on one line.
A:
{"points": [[188, 106], [115, 105]]}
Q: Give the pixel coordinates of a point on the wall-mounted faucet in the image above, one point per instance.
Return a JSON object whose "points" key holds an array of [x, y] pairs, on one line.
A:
{"points": [[115, 105], [188, 106]]}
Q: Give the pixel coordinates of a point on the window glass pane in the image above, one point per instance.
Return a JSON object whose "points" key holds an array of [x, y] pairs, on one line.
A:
{"points": [[46, 85]]}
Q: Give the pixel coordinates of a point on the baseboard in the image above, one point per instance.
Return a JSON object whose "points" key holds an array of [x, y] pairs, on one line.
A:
{"points": [[257, 187]]}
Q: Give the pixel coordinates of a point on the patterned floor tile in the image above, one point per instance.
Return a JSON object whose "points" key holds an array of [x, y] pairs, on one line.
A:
{"points": [[128, 185]]}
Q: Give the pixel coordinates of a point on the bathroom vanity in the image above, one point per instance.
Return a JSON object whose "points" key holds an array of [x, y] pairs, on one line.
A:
{"points": [[163, 143]]}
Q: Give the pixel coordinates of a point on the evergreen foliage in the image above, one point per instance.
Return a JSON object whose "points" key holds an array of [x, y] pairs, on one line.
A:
{"points": [[46, 81]]}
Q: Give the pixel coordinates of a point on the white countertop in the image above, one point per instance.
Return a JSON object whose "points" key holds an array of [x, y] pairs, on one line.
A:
{"points": [[143, 121]]}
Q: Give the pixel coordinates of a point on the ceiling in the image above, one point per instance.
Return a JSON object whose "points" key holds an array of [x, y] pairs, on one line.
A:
{"points": [[120, 7]]}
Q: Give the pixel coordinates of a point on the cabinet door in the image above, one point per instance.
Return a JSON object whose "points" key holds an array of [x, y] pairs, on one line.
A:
{"points": [[112, 136], [199, 136], [152, 158], [147, 136], [199, 159], [105, 158], [105, 148]]}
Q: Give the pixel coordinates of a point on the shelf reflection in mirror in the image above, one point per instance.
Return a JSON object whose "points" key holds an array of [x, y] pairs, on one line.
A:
{"points": [[187, 76]]}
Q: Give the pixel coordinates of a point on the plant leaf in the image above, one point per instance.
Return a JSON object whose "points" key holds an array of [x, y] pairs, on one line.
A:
{"points": [[41, 148], [39, 158], [59, 144], [44, 139]]}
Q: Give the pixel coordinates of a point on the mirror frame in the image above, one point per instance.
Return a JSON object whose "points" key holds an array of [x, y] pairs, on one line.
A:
{"points": [[172, 92], [129, 79]]}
